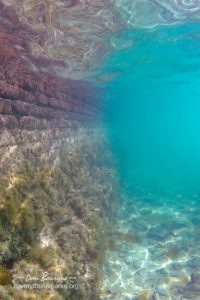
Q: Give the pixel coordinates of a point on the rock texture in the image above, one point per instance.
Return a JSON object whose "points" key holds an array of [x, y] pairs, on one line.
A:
{"points": [[60, 37], [58, 191], [31, 99], [41, 44], [57, 178]]}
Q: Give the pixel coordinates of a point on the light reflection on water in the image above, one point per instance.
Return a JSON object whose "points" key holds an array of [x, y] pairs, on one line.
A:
{"points": [[152, 13]]}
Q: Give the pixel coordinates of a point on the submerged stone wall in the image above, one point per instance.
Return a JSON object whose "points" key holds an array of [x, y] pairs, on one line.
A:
{"points": [[39, 100], [57, 178], [34, 94], [57, 195], [57, 184]]}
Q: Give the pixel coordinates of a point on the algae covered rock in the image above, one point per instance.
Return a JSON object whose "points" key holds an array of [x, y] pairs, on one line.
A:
{"points": [[56, 206], [5, 276]]}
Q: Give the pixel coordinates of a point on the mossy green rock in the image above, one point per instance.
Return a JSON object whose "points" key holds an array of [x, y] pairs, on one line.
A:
{"points": [[5, 276]]}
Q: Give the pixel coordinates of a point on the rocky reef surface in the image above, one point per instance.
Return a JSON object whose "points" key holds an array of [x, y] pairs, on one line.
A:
{"points": [[56, 188], [35, 88], [57, 180], [63, 38], [30, 100]]}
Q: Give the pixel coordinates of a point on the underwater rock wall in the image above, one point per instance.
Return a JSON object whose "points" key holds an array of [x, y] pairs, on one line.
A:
{"points": [[31, 100], [64, 38], [35, 88], [56, 189], [56, 174]]}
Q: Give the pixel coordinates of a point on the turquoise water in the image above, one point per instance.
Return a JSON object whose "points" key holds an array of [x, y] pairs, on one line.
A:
{"points": [[153, 116], [154, 109]]}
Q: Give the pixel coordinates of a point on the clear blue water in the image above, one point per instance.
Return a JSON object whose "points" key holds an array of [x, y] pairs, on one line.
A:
{"points": [[153, 119], [154, 109]]}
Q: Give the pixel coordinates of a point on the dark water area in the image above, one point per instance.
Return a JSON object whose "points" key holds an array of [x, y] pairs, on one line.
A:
{"points": [[153, 123]]}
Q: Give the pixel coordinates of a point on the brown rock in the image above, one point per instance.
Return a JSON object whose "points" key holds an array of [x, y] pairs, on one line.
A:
{"points": [[28, 122], [8, 121], [5, 106]]}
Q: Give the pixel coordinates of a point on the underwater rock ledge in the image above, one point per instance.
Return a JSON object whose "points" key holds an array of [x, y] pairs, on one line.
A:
{"points": [[58, 187], [57, 195], [36, 100]]}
